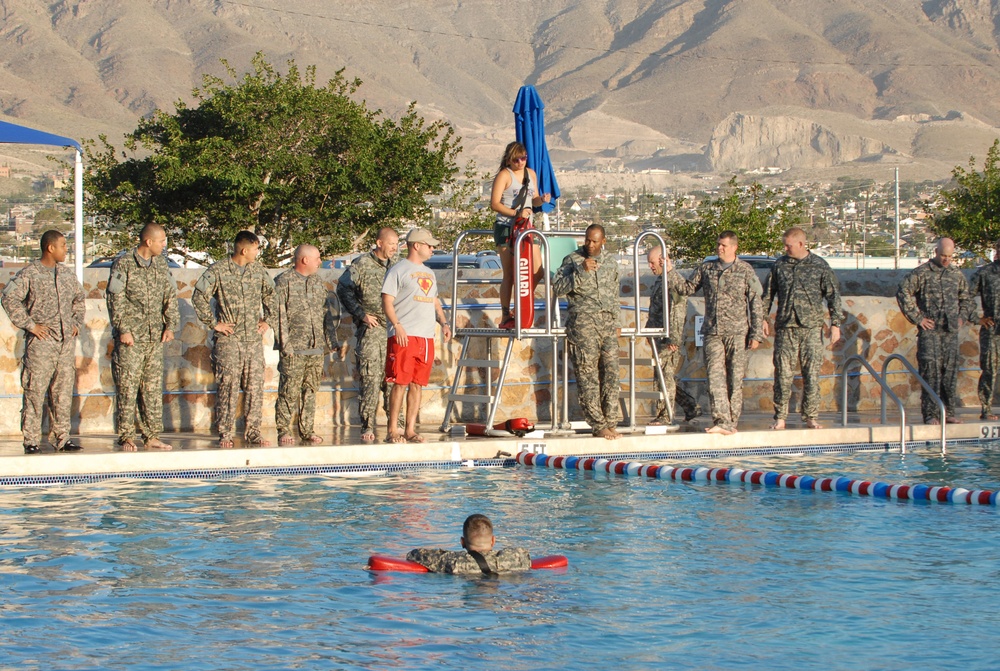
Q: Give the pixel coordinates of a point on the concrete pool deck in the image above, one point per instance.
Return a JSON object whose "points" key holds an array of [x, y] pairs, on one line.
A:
{"points": [[197, 456]]}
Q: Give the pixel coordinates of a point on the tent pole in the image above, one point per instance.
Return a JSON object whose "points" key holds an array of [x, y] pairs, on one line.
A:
{"points": [[78, 215]]}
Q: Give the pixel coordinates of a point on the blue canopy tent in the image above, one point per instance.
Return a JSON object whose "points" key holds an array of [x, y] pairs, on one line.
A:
{"points": [[14, 134], [529, 126]]}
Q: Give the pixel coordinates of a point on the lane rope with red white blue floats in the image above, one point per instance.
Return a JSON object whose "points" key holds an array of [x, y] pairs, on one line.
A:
{"points": [[884, 490]]}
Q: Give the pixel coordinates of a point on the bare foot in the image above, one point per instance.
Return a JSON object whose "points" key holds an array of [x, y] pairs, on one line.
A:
{"points": [[953, 420], [608, 433], [128, 445], [157, 444], [934, 421], [225, 442], [286, 439], [313, 439], [656, 421], [989, 417], [415, 438], [778, 425], [718, 428], [813, 424], [394, 438], [368, 436]]}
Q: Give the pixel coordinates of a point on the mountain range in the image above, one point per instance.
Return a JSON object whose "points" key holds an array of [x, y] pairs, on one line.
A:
{"points": [[697, 85]]}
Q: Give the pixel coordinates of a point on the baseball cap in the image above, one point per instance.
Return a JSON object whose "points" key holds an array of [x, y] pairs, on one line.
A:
{"points": [[422, 235]]}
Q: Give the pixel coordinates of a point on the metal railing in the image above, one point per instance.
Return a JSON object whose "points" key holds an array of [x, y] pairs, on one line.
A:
{"points": [[933, 394], [885, 390]]}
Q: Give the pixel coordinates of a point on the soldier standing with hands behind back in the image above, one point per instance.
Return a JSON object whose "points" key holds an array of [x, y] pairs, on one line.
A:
{"points": [[46, 300], [935, 297], [142, 305]]}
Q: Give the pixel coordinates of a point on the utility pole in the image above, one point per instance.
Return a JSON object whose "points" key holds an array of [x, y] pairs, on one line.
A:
{"points": [[897, 218]]}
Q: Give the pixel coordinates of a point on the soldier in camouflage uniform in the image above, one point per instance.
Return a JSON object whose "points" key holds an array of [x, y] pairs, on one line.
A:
{"points": [[935, 297], [477, 539], [243, 309], [669, 348], [360, 293], [589, 278], [801, 282], [300, 335], [142, 305], [46, 300], [986, 285], [732, 326]]}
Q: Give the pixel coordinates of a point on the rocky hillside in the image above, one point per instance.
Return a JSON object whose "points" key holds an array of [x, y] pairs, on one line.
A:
{"points": [[703, 84]]}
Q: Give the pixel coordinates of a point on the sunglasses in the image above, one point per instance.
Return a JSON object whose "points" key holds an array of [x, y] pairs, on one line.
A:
{"points": [[519, 159]]}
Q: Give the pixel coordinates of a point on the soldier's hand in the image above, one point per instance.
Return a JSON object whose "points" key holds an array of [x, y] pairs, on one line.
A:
{"points": [[76, 331], [987, 322], [834, 335], [225, 329], [40, 331], [673, 348], [370, 320], [261, 327], [767, 328], [754, 344], [343, 351], [926, 324], [589, 265], [127, 339], [168, 335]]}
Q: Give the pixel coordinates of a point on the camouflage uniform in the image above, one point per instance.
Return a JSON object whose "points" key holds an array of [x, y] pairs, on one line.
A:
{"points": [[670, 361], [360, 292], [733, 317], [986, 284], [242, 295], [940, 294], [142, 301], [592, 334], [444, 561], [300, 336], [806, 290], [54, 298]]}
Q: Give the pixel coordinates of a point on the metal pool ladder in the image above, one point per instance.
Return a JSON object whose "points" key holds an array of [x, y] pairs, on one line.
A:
{"points": [[885, 390], [933, 394]]}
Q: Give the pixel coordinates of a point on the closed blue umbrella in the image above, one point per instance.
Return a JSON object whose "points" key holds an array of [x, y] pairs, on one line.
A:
{"points": [[529, 126]]}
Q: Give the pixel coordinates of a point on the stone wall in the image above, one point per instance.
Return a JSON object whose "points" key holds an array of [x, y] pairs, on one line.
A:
{"points": [[874, 328]]}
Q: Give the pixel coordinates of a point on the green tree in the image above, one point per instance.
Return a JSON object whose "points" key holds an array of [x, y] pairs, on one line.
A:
{"points": [[277, 155], [971, 212], [757, 214]]}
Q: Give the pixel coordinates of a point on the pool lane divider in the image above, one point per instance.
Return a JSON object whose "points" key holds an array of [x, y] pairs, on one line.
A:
{"points": [[884, 490]]}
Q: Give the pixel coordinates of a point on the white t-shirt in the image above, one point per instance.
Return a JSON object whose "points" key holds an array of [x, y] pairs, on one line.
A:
{"points": [[414, 288]]}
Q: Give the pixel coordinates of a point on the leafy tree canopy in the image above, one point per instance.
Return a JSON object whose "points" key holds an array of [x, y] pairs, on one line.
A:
{"points": [[758, 215], [276, 155], [971, 212]]}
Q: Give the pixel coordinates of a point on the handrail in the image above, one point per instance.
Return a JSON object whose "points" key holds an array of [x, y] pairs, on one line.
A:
{"points": [[885, 390], [454, 269], [516, 288], [933, 394], [664, 331]]}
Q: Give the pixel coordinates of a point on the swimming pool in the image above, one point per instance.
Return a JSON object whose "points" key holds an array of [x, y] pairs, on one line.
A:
{"points": [[268, 573]]}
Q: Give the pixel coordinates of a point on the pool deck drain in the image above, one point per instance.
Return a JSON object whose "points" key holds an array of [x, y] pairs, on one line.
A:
{"points": [[197, 456]]}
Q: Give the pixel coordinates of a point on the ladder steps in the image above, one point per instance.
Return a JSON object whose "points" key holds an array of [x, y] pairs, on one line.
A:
{"points": [[478, 363]]}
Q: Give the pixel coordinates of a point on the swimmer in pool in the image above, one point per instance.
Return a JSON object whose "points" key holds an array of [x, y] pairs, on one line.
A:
{"points": [[478, 556]]}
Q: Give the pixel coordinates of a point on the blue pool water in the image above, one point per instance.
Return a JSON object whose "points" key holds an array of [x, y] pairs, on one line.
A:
{"points": [[269, 573]]}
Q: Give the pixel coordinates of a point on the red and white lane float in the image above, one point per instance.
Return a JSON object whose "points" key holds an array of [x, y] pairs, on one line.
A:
{"points": [[983, 497], [383, 563]]}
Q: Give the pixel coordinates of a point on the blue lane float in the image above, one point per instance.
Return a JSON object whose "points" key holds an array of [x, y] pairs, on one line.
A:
{"points": [[885, 490]]}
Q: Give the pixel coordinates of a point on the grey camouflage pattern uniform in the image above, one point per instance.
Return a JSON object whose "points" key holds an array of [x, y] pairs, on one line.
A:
{"points": [[242, 296], [592, 334], [986, 284], [142, 301], [806, 291], [506, 560], [670, 362], [300, 336], [54, 298], [942, 294], [360, 293], [734, 316]]}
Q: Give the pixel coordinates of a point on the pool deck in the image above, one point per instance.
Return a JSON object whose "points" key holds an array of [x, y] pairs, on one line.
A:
{"points": [[197, 456]]}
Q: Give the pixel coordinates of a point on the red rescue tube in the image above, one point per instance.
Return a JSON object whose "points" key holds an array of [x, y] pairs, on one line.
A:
{"points": [[384, 563]]}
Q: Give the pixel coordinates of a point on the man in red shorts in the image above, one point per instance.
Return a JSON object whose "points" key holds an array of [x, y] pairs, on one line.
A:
{"points": [[410, 301]]}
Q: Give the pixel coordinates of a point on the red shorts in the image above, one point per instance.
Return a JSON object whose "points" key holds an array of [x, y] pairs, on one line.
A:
{"points": [[412, 363]]}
